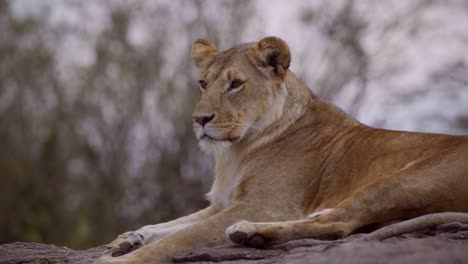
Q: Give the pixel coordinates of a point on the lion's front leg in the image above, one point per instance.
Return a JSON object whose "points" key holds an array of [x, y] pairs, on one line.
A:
{"points": [[130, 241], [260, 234], [206, 233]]}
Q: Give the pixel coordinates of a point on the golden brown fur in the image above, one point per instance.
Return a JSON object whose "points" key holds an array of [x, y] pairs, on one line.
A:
{"points": [[282, 154]]}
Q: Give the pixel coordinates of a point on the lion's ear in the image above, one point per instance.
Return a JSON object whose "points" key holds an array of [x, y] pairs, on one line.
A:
{"points": [[203, 53], [274, 52]]}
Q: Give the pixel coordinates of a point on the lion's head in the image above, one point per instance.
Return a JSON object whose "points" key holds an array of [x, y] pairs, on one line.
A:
{"points": [[242, 90]]}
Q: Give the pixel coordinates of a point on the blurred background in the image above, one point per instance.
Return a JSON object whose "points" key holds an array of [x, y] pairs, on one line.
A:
{"points": [[96, 96]]}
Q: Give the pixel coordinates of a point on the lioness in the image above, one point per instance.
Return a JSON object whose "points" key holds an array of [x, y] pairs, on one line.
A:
{"points": [[289, 165]]}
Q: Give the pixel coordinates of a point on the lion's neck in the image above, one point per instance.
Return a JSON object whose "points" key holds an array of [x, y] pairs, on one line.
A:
{"points": [[298, 96]]}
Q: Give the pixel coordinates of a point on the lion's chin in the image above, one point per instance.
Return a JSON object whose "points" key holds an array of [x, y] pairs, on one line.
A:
{"points": [[211, 145]]}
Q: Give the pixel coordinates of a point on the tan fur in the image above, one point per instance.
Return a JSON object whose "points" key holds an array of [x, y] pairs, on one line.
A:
{"points": [[282, 155]]}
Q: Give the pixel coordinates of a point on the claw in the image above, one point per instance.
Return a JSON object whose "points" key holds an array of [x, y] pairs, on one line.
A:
{"points": [[238, 237], [125, 243], [126, 247], [118, 253], [256, 241], [246, 234]]}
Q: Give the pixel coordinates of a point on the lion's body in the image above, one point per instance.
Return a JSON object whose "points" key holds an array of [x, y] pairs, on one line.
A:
{"points": [[293, 155]]}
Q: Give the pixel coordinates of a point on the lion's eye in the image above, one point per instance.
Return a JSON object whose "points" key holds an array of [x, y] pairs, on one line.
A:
{"points": [[236, 83], [203, 84]]}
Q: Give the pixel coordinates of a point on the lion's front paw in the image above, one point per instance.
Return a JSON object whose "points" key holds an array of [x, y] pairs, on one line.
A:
{"points": [[126, 243], [245, 233]]}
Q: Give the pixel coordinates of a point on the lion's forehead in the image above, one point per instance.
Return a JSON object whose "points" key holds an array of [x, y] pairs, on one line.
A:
{"points": [[224, 61]]}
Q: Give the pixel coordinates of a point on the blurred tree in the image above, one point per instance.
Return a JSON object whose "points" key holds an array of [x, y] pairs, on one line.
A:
{"points": [[31, 163], [358, 51], [98, 140]]}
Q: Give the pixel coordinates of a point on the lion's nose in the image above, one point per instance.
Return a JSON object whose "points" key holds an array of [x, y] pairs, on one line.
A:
{"points": [[203, 120]]}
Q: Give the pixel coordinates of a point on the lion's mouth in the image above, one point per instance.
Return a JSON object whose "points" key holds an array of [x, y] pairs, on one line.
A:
{"points": [[212, 139], [206, 137]]}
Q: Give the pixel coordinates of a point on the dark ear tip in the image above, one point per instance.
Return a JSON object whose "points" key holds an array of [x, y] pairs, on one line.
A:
{"points": [[275, 52], [272, 41]]}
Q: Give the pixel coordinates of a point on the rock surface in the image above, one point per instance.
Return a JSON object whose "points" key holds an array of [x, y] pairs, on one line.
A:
{"points": [[34, 253], [445, 244]]}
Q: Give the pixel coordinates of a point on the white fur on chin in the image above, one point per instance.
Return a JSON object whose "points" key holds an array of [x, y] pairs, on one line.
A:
{"points": [[214, 146]]}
